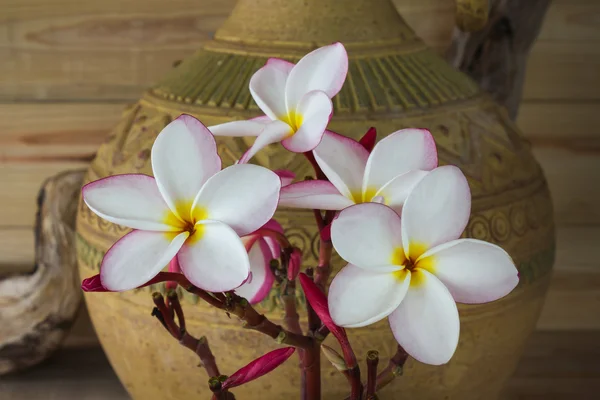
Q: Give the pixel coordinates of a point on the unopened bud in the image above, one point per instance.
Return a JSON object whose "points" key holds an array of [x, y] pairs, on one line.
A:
{"points": [[334, 358], [294, 264]]}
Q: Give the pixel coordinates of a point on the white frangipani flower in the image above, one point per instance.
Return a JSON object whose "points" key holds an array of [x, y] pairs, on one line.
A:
{"points": [[386, 175], [190, 209], [296, 100], [414, 268]]}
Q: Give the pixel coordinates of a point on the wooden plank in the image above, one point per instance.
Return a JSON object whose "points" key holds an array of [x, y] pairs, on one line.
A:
{"points": [[16, 250], [559, 70], [573, 179], [572, 20], [573, 301], [557, 366], [564, 122], [31, 133], [113, 50], [21, 184]]}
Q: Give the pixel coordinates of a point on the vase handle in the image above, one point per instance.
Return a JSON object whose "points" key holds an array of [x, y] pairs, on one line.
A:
{"points": [[471, 15]]}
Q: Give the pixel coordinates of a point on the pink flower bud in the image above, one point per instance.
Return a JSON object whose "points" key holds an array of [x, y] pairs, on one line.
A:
{"points": [[94, 283], [173, 267], [318, 302], [259, 367], [368, 140], [326, 233], [294, 265]]}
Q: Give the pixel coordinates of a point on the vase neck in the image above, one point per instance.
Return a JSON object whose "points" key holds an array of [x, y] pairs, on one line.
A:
{"points": [[302, 24]]}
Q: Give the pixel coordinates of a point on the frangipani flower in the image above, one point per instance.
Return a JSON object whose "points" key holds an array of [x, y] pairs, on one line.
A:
{"points": [[190, 209], [262, 250], [413, 269], [386, 175], [296, 100]]}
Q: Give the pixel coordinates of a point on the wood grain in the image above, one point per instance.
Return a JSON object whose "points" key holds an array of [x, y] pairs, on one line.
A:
{"points": [[113, 50], [16, 250]]}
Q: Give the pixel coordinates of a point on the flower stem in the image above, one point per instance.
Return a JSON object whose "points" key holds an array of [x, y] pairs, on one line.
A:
{"points": [[372, 361], [311, 372], [253, 320], [166, 315], [393, 369]]}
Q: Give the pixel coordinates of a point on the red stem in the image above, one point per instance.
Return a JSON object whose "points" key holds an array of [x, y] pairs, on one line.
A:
{"points": [[372, 361], [393, 369]]}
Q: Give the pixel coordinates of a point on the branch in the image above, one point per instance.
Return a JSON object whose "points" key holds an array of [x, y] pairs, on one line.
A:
{"points": [[393, 369], [166, 315], [240, 307], [372, 361]]}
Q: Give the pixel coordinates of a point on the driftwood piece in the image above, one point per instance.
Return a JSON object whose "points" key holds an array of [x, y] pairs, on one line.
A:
{"points": [[37, 309], [496, 56]]}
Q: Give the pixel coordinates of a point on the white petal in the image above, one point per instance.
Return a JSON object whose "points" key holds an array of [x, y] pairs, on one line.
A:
{"points": [[131, 200], [274, 132], [267, 87], [436, 211], [261, 279], [396, 191], [359, 298], [322, 69], [398, 153], [184, 156], [313, 194], [426, 323], [315, 110], [474, 271], [243, 196], [343, 161], [368, 235], [137, 257], [214, 258], [251, 127]]}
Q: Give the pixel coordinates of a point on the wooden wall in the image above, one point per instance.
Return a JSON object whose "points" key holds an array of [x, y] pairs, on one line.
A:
{"points": [[67, 67]]}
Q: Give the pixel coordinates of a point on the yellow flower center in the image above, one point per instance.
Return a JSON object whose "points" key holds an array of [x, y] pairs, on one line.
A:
{"points": [[293, 119], [412, 263], [187, 220], [363, 197]]}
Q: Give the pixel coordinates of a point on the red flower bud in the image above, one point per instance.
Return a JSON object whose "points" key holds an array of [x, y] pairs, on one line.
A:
{"points": [[294, 264], [326, 233], [259, 367], [173, 267], [368, 140], [318, 302], [94, 283]]}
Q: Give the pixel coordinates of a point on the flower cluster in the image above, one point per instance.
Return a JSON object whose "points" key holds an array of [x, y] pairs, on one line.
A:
{"points": [[399, 216]]}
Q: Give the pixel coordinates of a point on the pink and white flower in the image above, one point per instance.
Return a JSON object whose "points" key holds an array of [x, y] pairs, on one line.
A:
{"points": [[386, 175], [190, 209], [296, 100], [261, 251], [414, 268]]}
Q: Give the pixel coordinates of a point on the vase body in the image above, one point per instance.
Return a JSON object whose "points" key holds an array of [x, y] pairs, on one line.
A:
{"points": [[394, 82]]}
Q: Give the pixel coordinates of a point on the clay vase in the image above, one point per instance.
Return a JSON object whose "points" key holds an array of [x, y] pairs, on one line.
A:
{"points": [[394, 82]]}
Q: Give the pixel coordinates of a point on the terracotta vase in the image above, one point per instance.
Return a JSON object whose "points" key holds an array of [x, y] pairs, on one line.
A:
{"points": [[394, 82]]}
